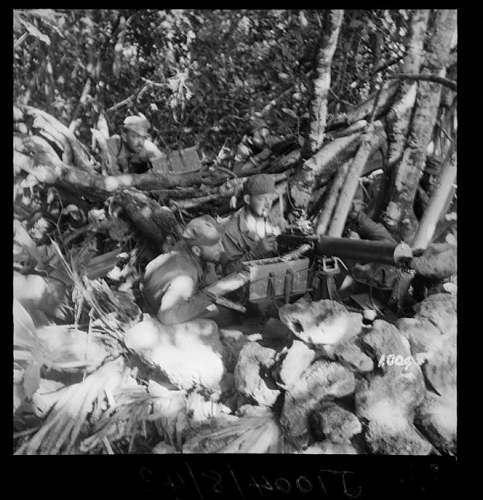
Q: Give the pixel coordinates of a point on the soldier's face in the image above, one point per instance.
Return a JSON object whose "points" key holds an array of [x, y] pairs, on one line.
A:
{"points": [[261, 204], [212, 253], [135, 141]]}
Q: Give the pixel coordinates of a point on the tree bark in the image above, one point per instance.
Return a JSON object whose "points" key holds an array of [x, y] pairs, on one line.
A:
{"points": [[400, 114], [399, 212], [372, 138], [331, 200], [148, 218], [436, 206], [45, 121], [322, 80]]}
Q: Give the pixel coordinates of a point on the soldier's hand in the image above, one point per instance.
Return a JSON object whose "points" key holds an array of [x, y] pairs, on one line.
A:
{"points": [[267, 246]]}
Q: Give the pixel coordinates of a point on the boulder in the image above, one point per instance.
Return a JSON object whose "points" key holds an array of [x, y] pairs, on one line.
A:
{"points": [[388, 403], [395, 436], [321, 322], [298, 358], [331, 421], [384, 339], [252, 377], [190, 354], [439, 261], [233, 341], [437, 417], [320, 380], [440, 309], [351, 354], [436, 347]]}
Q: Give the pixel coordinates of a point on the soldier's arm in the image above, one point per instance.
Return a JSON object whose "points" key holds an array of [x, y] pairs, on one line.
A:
{"points": [[370, 230], [180, 302], [152, 151]]}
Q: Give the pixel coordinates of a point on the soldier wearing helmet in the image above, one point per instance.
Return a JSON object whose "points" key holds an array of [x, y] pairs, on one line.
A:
{"points": [[132, 152]]}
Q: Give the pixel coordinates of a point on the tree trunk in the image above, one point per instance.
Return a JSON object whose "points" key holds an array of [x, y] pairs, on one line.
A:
{"points": [[437, 204], [372, 139], [322, 80], [331, 200], [399, 212], [400, 114]]}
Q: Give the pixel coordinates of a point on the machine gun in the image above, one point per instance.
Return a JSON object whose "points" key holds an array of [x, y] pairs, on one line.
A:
{"points": [[329, 250]]}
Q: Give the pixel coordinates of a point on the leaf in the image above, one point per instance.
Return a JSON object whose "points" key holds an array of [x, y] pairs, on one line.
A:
{"points": [[290, 112], [31, 380], [35, 32]]}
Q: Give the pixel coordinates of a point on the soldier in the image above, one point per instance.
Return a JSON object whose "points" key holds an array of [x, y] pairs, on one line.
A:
{"points": [[172, 281], [251, 232], [132, 152]]}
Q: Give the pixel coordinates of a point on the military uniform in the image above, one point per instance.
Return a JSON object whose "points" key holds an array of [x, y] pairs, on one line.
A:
{"points": [[243, 233], [172, 281], [161, 272], [129, 162], [241, 236]]}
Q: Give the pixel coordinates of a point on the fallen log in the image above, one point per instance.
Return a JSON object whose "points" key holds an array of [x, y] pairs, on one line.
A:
{"points": [[43, 121], [372, 139], [158, 224]]}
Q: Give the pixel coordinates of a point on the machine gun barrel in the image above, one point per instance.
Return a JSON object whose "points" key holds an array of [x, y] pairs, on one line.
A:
{"points": [[360, 250], [383, 252]]}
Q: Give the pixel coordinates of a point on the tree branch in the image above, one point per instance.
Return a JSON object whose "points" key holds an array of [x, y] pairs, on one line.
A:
{"points": [[451, 84]]}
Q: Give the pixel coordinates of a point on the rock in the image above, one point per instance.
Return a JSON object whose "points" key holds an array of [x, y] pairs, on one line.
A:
{"points": [[274, 329], [440, 309], [351, 354], [190, 353], [321, 379], [297, 360], [437, 416], [331, 421], [233, 341], [384, 339], [388, 402], [251, 373], [163, 448], [393, 393], [329, 448], [395, 436], [437, 262], [438, 347], [322, 322], [423, 336]]}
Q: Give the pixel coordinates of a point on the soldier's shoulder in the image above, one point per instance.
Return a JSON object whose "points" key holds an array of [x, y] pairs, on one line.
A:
{"points": [[233, 223]]}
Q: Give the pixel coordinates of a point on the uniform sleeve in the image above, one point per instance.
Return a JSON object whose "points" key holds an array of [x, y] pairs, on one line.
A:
{"points": [[152, 151], [370, 230], [180, 303], [235, 253]]}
